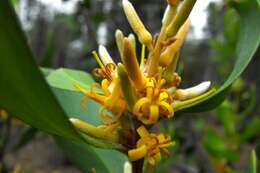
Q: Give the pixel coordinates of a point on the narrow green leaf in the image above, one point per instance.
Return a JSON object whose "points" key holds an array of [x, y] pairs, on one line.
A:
{"points": [[251, 129], [248, 43], [23, 90]]}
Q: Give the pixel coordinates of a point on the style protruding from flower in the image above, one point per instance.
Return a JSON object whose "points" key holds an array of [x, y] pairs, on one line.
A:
{"points": [[134, 95]]}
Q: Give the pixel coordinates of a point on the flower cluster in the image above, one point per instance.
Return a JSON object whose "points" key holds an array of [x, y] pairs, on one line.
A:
{"points": [[134, 96]]}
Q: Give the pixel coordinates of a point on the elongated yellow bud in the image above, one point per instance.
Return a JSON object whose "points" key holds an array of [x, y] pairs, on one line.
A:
{"points": [[170, 52], [184, 94], [119, 40], [126, 86], [93, 131], [132, 67], [143, 35], [131, 38], [180, 17], [104, 55]]}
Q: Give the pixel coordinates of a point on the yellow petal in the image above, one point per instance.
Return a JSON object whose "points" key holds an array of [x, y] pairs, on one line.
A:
{"points": [[104, 85], [97, 97], [138, 153], [154, 114], [163, 95], [168, 107], [142, 132], [141, 102], [161, 138]]}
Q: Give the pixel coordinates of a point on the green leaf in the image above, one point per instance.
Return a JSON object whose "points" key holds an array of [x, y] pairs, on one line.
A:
{"points": [[248, 43], [23, 90], [227, 117], [86, 157], [46, 71], [67, 78], [252, 128], [217, 146]]}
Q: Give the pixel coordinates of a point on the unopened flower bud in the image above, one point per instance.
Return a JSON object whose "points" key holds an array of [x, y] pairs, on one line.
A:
{"points": [[93, 131], [131, 64], [183, 94], [143, 35], [104, 55], [119, 40], [131, 38]]}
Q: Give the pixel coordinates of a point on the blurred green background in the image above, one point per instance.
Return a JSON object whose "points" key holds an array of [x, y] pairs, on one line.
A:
{"points": [[63, 34]]}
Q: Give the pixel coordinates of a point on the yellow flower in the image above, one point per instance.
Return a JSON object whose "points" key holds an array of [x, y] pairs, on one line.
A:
{"points": [[149, 146], [134, 93], [111, 97], [156, 101]]}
